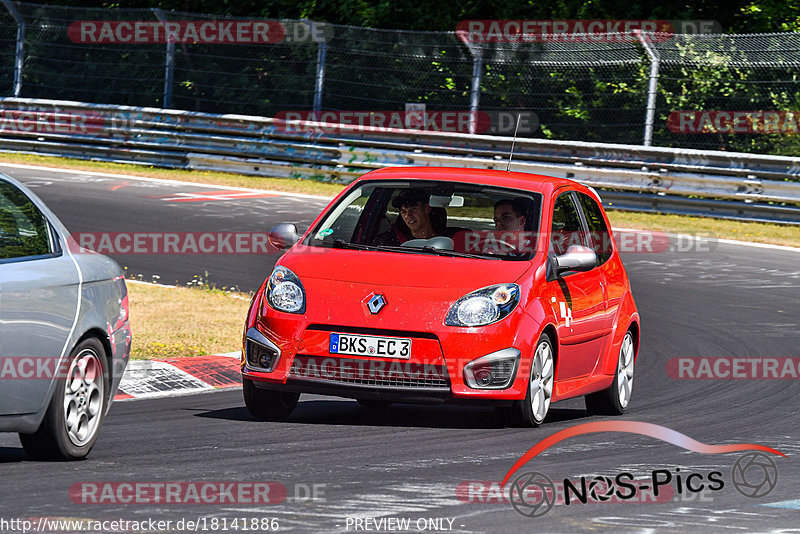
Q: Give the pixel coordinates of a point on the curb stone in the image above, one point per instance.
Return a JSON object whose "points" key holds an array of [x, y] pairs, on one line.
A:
{"points": [[179, 376]]}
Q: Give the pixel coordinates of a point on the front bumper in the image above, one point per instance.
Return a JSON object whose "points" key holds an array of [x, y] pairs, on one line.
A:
{"points": [[120, 342], [433, 373]]}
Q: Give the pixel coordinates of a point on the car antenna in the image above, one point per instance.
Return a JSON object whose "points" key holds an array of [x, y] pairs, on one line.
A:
{"points": [[513, 141]]}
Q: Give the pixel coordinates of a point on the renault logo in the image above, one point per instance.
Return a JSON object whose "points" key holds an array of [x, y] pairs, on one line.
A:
{"points": [[376, 303]]}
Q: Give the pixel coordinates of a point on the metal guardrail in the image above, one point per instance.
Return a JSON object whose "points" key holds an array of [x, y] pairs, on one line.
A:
{"points": [[732, 185]]}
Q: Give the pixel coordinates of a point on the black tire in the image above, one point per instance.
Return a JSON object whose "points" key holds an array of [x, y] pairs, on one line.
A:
{"points": [[509, 415], [615, 400], [55, 439], [374, 403], [523, 413], [266, 404]]}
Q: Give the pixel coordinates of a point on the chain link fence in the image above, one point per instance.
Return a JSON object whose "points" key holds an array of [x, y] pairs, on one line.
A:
{"points": [[582, 90]]}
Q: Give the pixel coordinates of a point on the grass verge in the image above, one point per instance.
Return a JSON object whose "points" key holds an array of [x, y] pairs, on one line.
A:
{"points": [[775, 234], [170, 322]]}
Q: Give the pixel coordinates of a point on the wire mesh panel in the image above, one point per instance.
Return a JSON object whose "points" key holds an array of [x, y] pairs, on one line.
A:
{"points": [[246, 73], [592, 91], [8, 40], [382, 70], [709, 74], [64, 62], [583, 89]]}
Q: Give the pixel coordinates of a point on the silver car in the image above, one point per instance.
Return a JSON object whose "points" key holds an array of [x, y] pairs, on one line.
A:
{"points": [[64, 331]]}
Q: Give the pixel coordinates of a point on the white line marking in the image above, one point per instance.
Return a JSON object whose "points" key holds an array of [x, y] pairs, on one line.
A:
{"points": [[235, 354], [163, 181], [174, 393], [726, 241]]}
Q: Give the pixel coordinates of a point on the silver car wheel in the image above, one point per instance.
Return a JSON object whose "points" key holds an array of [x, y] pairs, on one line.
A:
{"points": [[83, 397], [541, 385], [625, 371]]}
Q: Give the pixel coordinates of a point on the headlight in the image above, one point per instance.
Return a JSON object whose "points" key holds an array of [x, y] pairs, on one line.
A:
{"points": [[285, 292], [484, 306]]}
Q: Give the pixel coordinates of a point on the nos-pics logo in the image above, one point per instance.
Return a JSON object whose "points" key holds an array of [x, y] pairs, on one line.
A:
{"points": [[533, 494]]}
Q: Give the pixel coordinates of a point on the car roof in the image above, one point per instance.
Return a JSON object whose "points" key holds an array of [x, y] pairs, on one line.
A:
{"points": [[501, 178]]}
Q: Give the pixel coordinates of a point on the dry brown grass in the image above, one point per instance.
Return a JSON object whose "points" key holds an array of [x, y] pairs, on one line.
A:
{"points": [[169, 322]]}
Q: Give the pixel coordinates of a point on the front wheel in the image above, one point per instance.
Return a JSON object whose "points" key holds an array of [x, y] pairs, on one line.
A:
{"points": [[73, 419], [266, 404], [533, 410], [614, 400]]}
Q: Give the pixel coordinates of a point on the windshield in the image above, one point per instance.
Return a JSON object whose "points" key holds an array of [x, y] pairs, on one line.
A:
{"points": [[445, 218]]}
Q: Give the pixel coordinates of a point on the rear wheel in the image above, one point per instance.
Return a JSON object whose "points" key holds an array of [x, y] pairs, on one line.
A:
{"points": [[614, 400], [533, 410], [266, 404], [73, 419]]}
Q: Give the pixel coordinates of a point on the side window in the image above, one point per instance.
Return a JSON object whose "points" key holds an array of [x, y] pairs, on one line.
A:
{"points": [[599, 236], [23, 228], [566, 229]]}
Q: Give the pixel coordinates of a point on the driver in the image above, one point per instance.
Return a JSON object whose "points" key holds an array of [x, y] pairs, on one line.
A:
{"points": [[416, 213]]}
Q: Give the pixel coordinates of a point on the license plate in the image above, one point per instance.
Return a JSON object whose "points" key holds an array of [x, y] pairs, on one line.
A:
{"points": [[383, 347]]}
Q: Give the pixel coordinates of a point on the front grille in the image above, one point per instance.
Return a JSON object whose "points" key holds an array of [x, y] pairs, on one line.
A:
{"points": [[377, 373]]}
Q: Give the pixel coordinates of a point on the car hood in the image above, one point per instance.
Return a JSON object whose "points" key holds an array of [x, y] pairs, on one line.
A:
{"points": [[401, 269]]}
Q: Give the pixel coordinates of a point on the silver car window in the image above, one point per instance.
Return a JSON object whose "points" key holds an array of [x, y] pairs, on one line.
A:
{"points": [[23, 228]]}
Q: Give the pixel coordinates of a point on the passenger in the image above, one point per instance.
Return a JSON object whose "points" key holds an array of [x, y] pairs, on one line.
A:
{"points": [[512, 227], [509, 215]]}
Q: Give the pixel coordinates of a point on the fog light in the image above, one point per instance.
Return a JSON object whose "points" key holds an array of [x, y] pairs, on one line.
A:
{"points": [[261, 353], [493, 371], [483, 376]]}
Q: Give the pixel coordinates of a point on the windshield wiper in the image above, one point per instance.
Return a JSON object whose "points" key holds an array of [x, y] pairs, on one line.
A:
{"points": [[446, 252], [341, 243], [459, 254]]}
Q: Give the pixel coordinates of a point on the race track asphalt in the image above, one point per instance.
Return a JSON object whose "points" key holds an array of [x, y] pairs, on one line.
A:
{"points": [[407, 462]]}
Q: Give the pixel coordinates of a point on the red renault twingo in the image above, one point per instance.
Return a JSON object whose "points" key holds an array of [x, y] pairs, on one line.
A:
{"points": [[441, 284]]}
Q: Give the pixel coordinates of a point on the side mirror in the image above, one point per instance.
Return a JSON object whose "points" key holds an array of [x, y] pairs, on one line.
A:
{"points": [[283, 236], [577, 258]]}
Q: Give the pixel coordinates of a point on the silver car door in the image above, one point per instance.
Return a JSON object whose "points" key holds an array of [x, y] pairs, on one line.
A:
{"points": [[39, 288]]}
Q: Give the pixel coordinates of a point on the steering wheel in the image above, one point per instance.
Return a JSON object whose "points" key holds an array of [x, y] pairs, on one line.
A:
{"points": [[496, 246]]}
